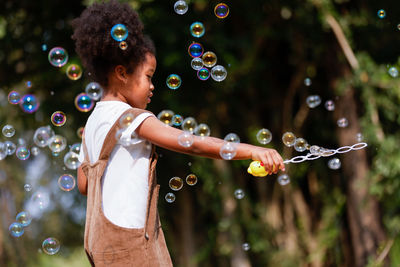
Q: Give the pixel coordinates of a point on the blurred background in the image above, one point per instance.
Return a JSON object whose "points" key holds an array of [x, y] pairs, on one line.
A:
{"points": [[277, 54]]}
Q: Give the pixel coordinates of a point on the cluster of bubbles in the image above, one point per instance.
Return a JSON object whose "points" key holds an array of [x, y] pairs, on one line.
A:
{"points": [[221, 10], [23, 219], [290, 140], [228, 149], [119, 32], [176, 184]]}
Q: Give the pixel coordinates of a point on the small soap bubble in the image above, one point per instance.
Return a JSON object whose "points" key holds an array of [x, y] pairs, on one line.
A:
{"points": [[191, 179], [381, 13], [14, 97], [83, 102], [177, 120], [42, 136], [10, 147], [264, 136], [41, 200], [330, 105], [16, 229], [94, 90], [76, 148], [35, 151], [126, 120], [165, 116], [3, 151], [393, 72], [334, 163], [239, 194], [300, 144], [398, 26], [203, 74], [307, 82], [74, 72], [27, 187], [8, 130], [283, 179], [22, 153], [189, 124], [66, 182], [246, 246], [57, 143], [202, 130], [51, 246], [28, 84], [195, 50], [313, 101], [196, 63], [58, 118], [197, 29], [71, 160], [24, 218], [185, 139], [29, 103], [174, 81], [123, 45], [170, 197], [176, 183], [221, 10], [342, 122], [315, 150], [218, 73], [227, 151], [180, 7], [288, 139], [58, 57], [79, 132], [44, 47], [232, 137], [119, 32], [359, 137], [209, 59]]}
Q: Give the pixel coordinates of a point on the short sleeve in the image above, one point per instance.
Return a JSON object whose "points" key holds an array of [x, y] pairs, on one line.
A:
{"points": [[128, 132]]}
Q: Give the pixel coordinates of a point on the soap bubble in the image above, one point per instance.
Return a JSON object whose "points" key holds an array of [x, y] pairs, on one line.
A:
{"points": [[177, 120], [170, 197], [381, 13], [197, 29], [27, 187], [58, 118], [24, 218], [119, 32], [307, 81], [35, 151], [209, 59], [83, 102], [393, 72], [16, 229], [41, 200], [22, 153], [359, 137], [58, 57], [166, 116], [334, 163], [189, 124], [180, 7], [42, 136], [232, 137], [196, 63], [14, 97], [80, 131], [174, 81], [398, 27], [283, 179], [29, 103], [74, 72], [66, 182], [342, 122], [94, 90], [191, 179], [203, 74], [71, 160], [300, 144], [176, 183], [246, 246], [185, 139], [218, 73], [44, 47], [57, 143], [8, 130], [3, 151], [330, 105], [195, 50], [126, 120], [315, 150], [202, 130], [221, 10], [28, 84], [227, 151], [264, 136], [50, 246], [313, 101], [239, 194], [123, 45], [10, 148]]}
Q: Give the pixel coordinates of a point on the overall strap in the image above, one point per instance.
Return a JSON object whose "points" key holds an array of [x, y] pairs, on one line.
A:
{"points": [[85, 151]]}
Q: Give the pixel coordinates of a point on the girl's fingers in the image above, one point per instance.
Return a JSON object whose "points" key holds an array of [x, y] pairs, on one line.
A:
{"points": [[270, 162]]}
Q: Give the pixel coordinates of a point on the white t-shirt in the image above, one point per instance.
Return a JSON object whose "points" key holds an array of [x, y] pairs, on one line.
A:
{"points": [[125, 180]]}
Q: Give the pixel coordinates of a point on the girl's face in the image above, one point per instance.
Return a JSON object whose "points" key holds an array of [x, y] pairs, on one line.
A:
{"points": [[139, 85]]}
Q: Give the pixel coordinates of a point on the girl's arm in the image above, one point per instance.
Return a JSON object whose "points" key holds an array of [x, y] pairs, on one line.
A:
{"points": [[167, 137]]}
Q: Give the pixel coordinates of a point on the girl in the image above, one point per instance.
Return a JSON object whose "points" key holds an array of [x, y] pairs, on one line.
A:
{"points": [[122, 225]]}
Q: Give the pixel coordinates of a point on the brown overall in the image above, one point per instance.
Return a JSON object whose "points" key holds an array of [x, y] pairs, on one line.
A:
{"points": [[107, 244]]}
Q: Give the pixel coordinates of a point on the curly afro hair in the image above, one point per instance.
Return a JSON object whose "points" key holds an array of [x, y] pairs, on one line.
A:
{"points": [[98, 51]]}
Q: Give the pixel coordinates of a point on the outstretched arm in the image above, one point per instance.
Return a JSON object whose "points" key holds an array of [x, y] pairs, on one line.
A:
{"points": [[167, 137]]}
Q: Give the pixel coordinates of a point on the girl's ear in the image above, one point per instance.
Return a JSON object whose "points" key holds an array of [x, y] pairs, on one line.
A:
{"points": [[120, 73]]}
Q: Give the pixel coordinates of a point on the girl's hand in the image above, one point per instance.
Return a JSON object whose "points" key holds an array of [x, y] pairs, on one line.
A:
{"points": [[269, 157]]}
